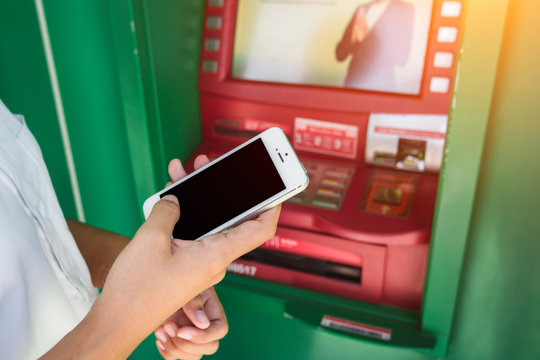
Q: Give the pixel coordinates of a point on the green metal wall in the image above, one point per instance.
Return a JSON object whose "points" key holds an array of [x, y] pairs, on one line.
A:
{"points": [[89, 85], [25, 88], [124, 113], [498, 313]]}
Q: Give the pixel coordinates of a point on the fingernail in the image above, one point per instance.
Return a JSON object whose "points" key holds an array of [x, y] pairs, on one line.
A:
{"points": [[201, 316], [161, 336], [170, 330], [185, 335], [171, 197], [160, 345]]}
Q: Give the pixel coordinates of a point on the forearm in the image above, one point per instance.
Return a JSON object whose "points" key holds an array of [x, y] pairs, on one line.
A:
{"points": [[152, 278], [97, 336], [112, 329], [98, 247]]}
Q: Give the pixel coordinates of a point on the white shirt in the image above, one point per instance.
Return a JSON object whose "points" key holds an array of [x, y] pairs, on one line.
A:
{"points": [[45, 285]]}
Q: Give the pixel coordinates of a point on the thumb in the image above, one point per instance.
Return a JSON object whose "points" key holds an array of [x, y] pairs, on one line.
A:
{"points": [[164, 216], [194, 310], [226, 247]]}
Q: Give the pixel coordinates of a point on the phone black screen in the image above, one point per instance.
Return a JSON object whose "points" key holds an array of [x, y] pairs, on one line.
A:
{"points": [[225, 190]]}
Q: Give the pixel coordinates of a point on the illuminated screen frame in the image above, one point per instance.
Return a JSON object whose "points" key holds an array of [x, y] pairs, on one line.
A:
{"points": [[220, 82], [311, 43]]}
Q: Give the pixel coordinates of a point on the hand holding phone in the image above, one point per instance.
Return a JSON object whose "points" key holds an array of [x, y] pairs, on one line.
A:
{"points": [[255, 176]]}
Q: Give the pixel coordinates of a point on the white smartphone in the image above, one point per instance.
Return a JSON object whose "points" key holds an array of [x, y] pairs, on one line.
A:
{"points": [[255, 176]]}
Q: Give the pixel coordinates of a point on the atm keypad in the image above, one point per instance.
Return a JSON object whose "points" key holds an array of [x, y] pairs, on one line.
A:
{"points": [[327, 187]]}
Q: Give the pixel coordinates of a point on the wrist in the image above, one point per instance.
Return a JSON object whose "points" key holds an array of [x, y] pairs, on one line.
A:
{"points": [[106, 335], [95, 337]]}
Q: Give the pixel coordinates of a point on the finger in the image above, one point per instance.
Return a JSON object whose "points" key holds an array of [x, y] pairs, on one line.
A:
{"points": [[164, 216], [178, 345], [216, 331], [212, 306], [200, 161], [218, 321], [176, 170], [242, 239], [194, 310], [161, 349], [171, 352], [170, 328], [161, 335], [179, 318]]}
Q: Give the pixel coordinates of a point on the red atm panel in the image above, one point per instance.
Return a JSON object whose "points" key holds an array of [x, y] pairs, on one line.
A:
{"points": [[360, 230]]}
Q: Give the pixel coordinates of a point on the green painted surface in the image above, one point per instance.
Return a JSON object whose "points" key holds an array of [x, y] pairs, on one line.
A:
{"points": [[169, 34], [25, 88], [259, 330], [128, 65], [468, 116], [498, 313], [89, 84]]}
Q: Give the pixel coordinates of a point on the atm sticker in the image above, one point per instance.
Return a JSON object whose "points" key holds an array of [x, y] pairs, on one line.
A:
{"points": [[242, 269], [407, 132], [326, 137], [413, 142], [356, 328]]}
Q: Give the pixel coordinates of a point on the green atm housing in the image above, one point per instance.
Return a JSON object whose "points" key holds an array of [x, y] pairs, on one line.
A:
{"points": [[127, 73]]}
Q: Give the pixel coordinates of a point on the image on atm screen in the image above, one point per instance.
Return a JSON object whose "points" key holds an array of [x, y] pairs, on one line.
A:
{"points": [[375, 45], [225, 190]]}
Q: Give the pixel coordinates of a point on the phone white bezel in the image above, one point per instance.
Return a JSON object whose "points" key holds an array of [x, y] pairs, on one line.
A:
{"points": [[285, 161]]}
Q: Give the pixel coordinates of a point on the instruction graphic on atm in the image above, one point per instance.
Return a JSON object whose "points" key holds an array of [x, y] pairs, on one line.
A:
{"points": [[406, 142]]}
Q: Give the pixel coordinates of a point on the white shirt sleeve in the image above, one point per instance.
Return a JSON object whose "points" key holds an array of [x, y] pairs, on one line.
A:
{"points": [[45, 285]]}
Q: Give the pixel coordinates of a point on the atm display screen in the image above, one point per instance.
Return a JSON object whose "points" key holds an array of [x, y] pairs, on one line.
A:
{"points": [[373, 45]]}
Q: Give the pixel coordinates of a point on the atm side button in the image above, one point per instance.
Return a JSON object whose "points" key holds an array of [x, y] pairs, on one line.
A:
{"points": [[211, 44], [213, 22], [209, 66], [215, 3]]}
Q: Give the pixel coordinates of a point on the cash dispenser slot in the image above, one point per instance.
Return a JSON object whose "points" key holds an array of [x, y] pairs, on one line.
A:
{"points": [[319, 267], [235, 132]]}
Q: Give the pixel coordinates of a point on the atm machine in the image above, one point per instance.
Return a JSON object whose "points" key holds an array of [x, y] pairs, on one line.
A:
{"points": [[362, 89], [365, 91], [367, 117]]}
